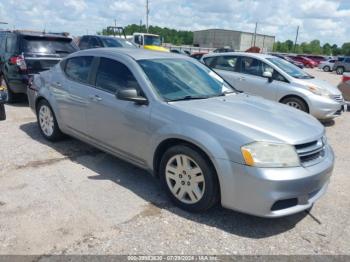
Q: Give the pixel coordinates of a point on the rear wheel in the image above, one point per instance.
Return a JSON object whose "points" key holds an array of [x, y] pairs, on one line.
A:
{"points": [[11, 96], [340, 70], [47, 122], [2, 112], [326, 69], [189, 179], [295, 102]]}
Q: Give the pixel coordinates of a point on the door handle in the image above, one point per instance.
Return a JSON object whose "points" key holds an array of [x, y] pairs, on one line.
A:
{"points": [[95, 98], [58, 84], [241, 78]]}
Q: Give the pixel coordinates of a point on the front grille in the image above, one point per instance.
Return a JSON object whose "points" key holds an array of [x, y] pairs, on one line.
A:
{"points": [[338, 98], [311, 153]]}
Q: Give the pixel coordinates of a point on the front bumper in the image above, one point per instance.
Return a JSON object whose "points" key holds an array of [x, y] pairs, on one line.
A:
{"points": [[273, 192], [324, 108]]}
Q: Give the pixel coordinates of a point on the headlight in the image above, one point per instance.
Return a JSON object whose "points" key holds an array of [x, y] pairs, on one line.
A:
{"points": [[264, 154], [319, 91]]}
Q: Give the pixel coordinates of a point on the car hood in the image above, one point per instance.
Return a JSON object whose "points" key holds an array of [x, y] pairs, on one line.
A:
{"points": [[320, 84], [256, 118]]}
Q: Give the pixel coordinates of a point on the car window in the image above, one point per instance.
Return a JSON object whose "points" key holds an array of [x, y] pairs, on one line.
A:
{"points": [[210, 61], [176, 79], [84, 43], [112, 76], [78, 68], [114, 42], [251, 66], [227, 63], [49, 45], [94, 42], [347, 60], [10, 44], [331, 61]]}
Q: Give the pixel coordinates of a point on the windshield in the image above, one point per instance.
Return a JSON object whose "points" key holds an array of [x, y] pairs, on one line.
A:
{"points": [[289, 68], [113, 42], [180, 79], [152, 40], [48, 45]]}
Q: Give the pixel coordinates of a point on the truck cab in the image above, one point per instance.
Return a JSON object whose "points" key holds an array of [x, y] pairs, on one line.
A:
{"points": [[148, 41]]}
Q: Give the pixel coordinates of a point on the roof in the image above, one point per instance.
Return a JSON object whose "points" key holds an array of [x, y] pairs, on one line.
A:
{"points": [[135, 53], [36, 33]]}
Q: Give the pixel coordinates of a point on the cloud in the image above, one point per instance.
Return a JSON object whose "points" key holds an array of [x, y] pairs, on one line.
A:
{"points": [[326, 20]]}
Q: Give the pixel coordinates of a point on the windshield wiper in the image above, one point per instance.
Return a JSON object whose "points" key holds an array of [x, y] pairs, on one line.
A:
{"points": [[188, 98]]}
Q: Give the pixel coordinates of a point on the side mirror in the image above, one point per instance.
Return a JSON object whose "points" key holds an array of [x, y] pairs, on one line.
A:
{"points": [[268, 75], [130, 94]]}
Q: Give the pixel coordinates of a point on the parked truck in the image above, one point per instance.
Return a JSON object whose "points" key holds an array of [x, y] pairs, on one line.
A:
{"points": [[147, 41]]}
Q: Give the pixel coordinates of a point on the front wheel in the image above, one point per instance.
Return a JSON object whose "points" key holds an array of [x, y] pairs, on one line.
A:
{"points": [[189, 179], [295, 102], [326, 69], [47, 122]]}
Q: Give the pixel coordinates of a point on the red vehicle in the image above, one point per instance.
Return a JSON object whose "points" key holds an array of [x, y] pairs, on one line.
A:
{"points": [[317, 58], [307, 62], [344, 86]]}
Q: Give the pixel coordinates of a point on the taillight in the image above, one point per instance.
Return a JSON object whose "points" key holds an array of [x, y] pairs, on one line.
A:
{"points": [[19, 61]]}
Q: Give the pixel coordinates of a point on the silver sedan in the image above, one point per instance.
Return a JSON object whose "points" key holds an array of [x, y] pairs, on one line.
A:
{"points": [[173, 116], [276, 79]]}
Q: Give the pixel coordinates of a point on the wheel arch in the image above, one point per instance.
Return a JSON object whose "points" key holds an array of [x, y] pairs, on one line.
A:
{"points": [[170, 142], [295, 96]]}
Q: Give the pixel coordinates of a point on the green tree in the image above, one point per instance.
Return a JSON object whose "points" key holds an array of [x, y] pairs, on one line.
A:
{"points": [[327, 49], [346, 48]]}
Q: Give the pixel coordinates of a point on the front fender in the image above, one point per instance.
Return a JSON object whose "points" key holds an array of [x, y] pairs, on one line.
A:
{"points": [[208, 144]]}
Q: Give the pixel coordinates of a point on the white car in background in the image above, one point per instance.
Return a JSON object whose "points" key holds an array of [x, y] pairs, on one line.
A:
{"points": [[327, 66]]}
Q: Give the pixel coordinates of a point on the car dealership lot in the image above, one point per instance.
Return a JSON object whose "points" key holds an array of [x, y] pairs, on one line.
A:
{"points": [[68, 197]]}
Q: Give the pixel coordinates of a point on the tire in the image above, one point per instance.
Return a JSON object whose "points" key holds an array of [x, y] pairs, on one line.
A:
{"points": [[340, 70], [47, 122], [2, 112], [193, 186], [326, 68], [11, 96], [296, 102]]}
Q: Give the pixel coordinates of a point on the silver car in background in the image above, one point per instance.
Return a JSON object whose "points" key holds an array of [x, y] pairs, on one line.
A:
{"points": [[276, 79], [327, 65], [173, 116]]}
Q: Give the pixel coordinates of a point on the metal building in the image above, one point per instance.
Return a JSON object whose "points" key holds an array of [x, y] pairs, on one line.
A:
{"points": [[240, 41]]}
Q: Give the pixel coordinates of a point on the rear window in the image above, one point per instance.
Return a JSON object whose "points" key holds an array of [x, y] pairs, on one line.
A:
{"points": [[49, 45]]}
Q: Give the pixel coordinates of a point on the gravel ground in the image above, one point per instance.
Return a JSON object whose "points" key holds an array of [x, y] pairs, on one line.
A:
{"points": [[69, 198]]}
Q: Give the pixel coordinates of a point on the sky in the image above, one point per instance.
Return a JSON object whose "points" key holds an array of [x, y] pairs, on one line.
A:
{"points": [[326, 20]]}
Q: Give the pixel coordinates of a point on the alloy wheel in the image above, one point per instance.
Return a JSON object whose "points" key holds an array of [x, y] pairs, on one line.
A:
{"points": [[294, 104], [185, 179], [46, 120]]}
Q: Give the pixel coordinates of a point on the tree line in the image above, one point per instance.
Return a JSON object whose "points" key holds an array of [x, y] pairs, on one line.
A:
{"points": [[312, 47], [176, 37]]}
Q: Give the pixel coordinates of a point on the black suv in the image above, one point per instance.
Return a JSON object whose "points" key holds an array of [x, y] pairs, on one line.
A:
{"points": [[24, 53], [98, 41]]}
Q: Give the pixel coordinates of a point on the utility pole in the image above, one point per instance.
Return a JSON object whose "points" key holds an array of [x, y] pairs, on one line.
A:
{"points": [[256, 27], [147, 13], [296, 39]]}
